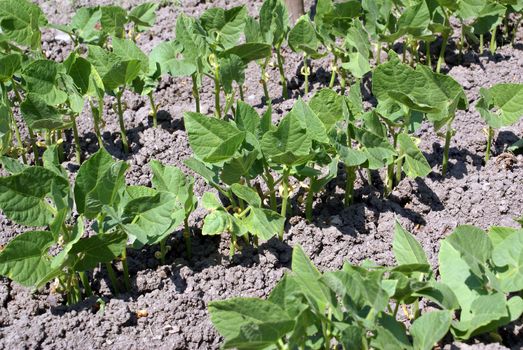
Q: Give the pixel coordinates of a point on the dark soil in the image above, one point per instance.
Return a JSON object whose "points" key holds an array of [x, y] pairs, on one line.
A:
{"points": [[176, 295]]}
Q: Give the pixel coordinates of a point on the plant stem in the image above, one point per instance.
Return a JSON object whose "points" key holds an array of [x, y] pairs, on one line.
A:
{"points": [[285, 196], [481, 43], [461, 42], [349, 185], [306, 72], [76, 140], [490, 136], [264, 79], [96, 120], [378, 53], [187, 237], [36, 153], [15, 125], [309, 201], [85, 283], [125, 266], [120, 120], [240, 88], [195, 92], [154, 109], [427, 54], [217, 93], [399, 166], [493, 43], [515, 30], [448, 137], [112, 277], [270, 185], [285, 93], [441, 57], [333, 74], [163, 250]]}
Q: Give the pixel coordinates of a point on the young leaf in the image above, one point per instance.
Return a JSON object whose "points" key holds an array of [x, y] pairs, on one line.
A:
{"points": [[248, 323], [264, 223], [226, 26], [247, 194], [9, 65], [113, 20], [430, 328], [302, 37], [40, 116], [232, 69], [507, 99], [415, 165], [25, 259], [41, 76], [310, 121], [97, 249], [327, 105], [508, 257], [406, 248], [166, 55], [20, 21], [211, 139], [143, 15], [216, 223]]}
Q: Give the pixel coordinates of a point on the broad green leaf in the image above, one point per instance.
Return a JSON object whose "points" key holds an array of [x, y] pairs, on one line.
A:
{"points": [[12, 166], [248, 194], [40, 77], [40, 116], [327, 105], [440, 294], [23, 196], [249, 323], [210, 175], [166, 55], [127, 50], [497, 234], [289, 144], [358, 65], [173, 180], [390, 334], [377, 149], [216, 223], [310, 121], [149, 219], [98, 182], [210, 202], [143, 15], [122, 73], [468, 9], [501, 105], [9, 65], [264, 223], [85, 22], [97, 249], [20, 21], [415, 19], [302, 37], [25, 259], [350, 157], [235, 168], [415, 164], [193, 39], [508, 257], [224, 26], [274, 21], [212, 140], [231, 69], [246, 118], [113, 20], [474, 246], [249, 52], [430, 328], [407, 250]]}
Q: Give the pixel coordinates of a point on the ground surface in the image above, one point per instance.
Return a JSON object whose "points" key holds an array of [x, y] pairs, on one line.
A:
{"points": [[176, 295]]}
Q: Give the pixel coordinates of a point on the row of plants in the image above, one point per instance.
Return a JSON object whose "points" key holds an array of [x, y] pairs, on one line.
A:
{"points": [[105, 60], [475, 290]]}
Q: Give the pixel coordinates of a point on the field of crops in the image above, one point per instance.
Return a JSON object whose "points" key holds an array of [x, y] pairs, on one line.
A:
{"points": [[187, 174]]}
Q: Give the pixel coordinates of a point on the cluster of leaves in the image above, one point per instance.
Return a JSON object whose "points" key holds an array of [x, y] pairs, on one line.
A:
{"points": [[357, 306], [63, 249], [257, 166]]}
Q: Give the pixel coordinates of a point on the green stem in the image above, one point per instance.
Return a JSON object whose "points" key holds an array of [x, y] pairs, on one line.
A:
{"points": [[515, 31], [490, 136], [36, 153], [85, 283], [96, 121], [163, 250], [76, 140], [448, 137], [309, 201], [427, 53], [125, 266], [264, 79], [187, 237], [349, 185], [120, 120], [15, 125], [195, 92], [333, 74], [112, 277], [378, 53], [270, 185], [306, 72], [441, 57], [481, 43], [369, 176], [399, 166], [461, 42], [240, 88], [217, 89], [285, 93], [154, 109], [285, 195], [493, 43]]}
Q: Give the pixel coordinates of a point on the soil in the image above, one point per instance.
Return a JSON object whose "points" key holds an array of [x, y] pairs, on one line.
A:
{"points": [[175, 296]]}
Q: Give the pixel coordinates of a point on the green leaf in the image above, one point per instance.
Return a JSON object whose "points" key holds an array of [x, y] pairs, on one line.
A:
{"points": [[302, 37], [9, 65], [407, 250], [144, 15], [193, 39], [23, 196], [327, 105], [122, 73], [127, 50], [5, 129], [216, 223], [274, 21], [439, 293], [210, 175], [149, 219], [310, 121], [25, 259], [474, 246], [390, 334], [40, 116], [501, 105], [41, 76], [248, 194], [225, 26], [97, 249], [12, 166], [237, 167], [508, 257], [377, 149], [415, 164], [231, 69], [171, 179], [289, 144], [166, 55], [113, 20], [358, 65], [20, 21], [264, 223], [210, 202], [249, 323], [98, 182], [85, 22], [430, 328], [211, 139], [249, 52]]}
